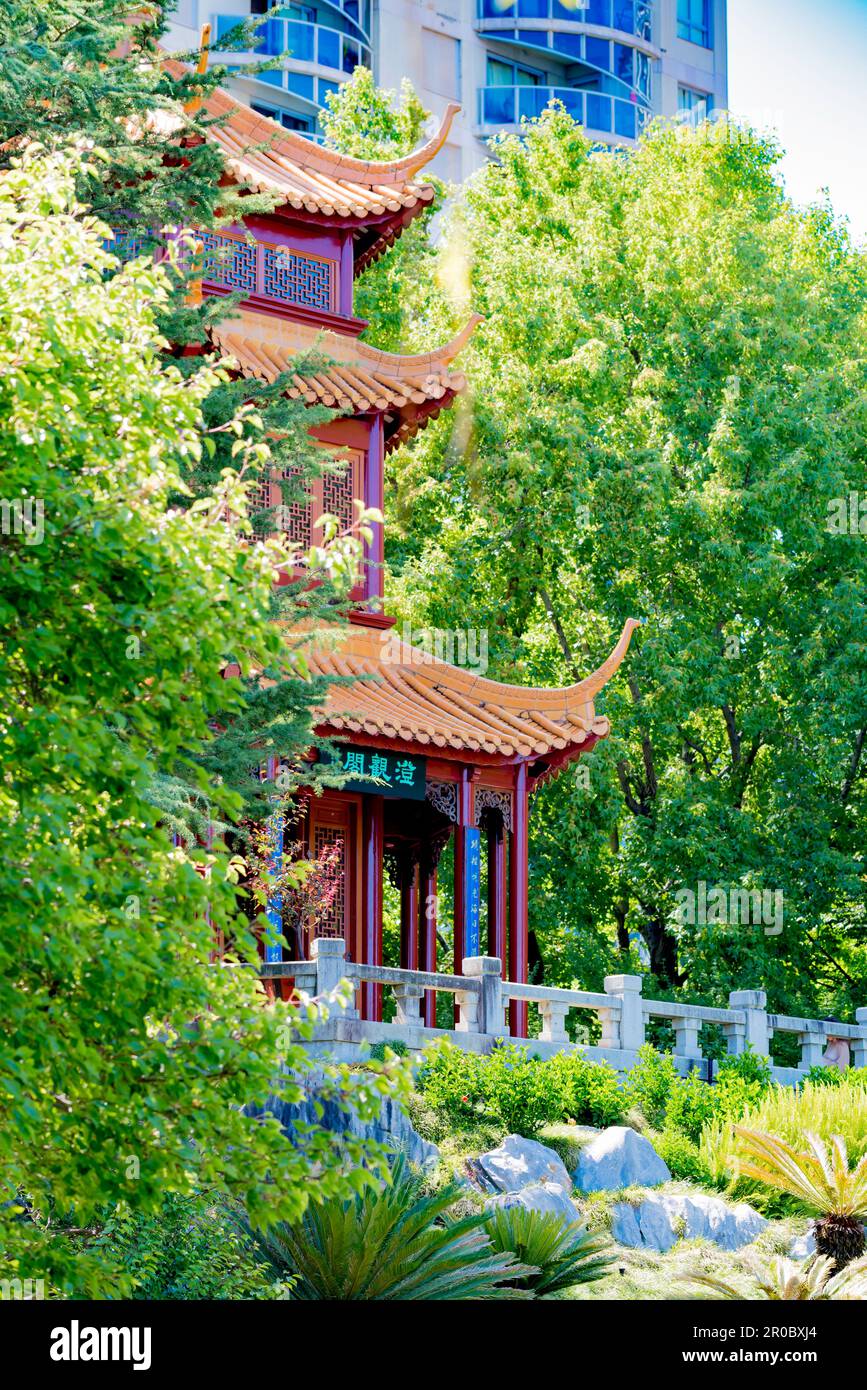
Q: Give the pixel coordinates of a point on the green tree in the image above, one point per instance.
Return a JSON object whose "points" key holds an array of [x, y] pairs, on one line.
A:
{"points": [[126, 1060], [667, 412]]}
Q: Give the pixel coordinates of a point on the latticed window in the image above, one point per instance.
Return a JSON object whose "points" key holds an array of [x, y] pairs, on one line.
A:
{"points": [[278, 272], [332, 493], [229, 261], [331, 916], [307, 280], [126, 245]]}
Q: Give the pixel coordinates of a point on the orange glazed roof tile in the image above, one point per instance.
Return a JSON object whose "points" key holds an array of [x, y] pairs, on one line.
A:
{"points": [[357, 377], [317, 181], [399, 692]]}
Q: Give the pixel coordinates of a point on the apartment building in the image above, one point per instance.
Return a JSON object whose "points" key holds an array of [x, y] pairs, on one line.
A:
{"points": [[614, 64]]}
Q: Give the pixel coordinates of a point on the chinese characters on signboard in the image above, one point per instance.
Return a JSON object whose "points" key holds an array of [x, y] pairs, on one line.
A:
{"points": [[472, 880], [397, 774]]}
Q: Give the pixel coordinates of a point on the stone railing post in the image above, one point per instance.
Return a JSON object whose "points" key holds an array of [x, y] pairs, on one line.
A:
{"points": [[813, 1044], [553, 1021], [754, 1031], [407, 1000], [329, 954], [686, 1031], [627, 1032], [859, 1045], [484, 1012]]}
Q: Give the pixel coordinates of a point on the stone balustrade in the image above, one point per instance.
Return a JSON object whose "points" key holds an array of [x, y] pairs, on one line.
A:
{"points": [[483, 997]]}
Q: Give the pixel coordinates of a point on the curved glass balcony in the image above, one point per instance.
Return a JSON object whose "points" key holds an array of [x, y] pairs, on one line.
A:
{"points": [[619, 117], [629, 16], [351, 16], [591, 60], [308, 43]]}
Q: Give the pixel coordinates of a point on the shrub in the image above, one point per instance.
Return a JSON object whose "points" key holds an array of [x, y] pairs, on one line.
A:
{"points": [[393, 1243], [650, 1083], [821, 1181], [591, 1091], [522, 1093], [786, 1280], [190, 1248], [451, 1082], [560, 1255], [825, 1076], [691, 1103], [682, 1156]]}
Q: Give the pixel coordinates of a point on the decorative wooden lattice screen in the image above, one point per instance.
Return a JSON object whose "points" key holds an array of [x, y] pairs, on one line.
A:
{"points": [[333, 493], [280, 272], [330, 825]]}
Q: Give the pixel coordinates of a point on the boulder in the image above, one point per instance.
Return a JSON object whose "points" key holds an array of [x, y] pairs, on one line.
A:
{"points": [[542, 1197], [662, 1219], [617, 1158], [392, 1127], [519, 1163]]}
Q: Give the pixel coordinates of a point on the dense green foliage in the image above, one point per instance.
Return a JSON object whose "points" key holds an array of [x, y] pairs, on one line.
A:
{"points": [[667, 402], [191, 1247], [126, 1059], [563, 1254], [393, 1242], [791, 1115], [517, 1092]]}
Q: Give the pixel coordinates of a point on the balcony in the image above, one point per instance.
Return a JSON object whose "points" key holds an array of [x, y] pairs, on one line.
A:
{"points": [[318, 44], [632, 17], [617, 117]]}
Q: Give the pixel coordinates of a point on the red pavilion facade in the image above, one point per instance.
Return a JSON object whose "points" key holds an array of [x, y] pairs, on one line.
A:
{"points": [[456, 756]]}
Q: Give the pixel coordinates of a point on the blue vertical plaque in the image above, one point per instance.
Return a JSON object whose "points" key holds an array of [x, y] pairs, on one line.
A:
{"points": [[472, 889], [273, 949]]}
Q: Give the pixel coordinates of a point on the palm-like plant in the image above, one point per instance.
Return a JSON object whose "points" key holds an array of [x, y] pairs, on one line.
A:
{"points": [[563, 1254], [786, 1280], [393, 1243], [822, 1180]]}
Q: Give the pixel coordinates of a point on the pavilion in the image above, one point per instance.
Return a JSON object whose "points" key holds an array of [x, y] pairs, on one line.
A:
{"points": [[456, 755]]}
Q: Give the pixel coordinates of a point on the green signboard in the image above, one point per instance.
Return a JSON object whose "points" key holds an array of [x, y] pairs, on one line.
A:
{"points": [[397, 774]]}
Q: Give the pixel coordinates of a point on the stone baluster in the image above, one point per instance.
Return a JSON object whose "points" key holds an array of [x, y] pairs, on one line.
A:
{"points": [[329, 955], [623, 1029], [686, 1031], [859, 1045], [813, 1043], [553, 1021], [407, 1000], [754, 1030], [489, 1006]]}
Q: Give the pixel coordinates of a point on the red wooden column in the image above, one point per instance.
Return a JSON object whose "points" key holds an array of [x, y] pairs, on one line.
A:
{"points": [[518, 871], [465, 819], [373, 497], [427, 932], [409, 915], [371, 900], [497, 889]]}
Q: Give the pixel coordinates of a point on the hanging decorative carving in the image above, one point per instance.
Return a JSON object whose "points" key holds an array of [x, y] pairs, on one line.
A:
{"points": [[443, 796], [399, 862], [488, 800], [431, 851]]}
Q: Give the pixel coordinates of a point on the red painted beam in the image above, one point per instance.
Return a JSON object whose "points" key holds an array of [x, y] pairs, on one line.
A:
{"points": [[465, 819]]}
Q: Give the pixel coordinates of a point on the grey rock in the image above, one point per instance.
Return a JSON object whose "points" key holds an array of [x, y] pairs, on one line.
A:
{"points": [[659, 1221], [392, 1128], [520, 1163], [804, 1247], [619, 1157], [543, 1197]]}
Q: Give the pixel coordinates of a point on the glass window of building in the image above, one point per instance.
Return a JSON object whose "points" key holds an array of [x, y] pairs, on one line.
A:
{"points": [[502, 74], [692, 106], [693, 21]]}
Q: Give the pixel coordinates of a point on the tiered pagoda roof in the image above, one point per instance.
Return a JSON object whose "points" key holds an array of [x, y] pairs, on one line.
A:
{"points": [[357, 378], [381, 196], [401, 695]]}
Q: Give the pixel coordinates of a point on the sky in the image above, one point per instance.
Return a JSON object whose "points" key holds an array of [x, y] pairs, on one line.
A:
{"points": [[800, 67]]}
